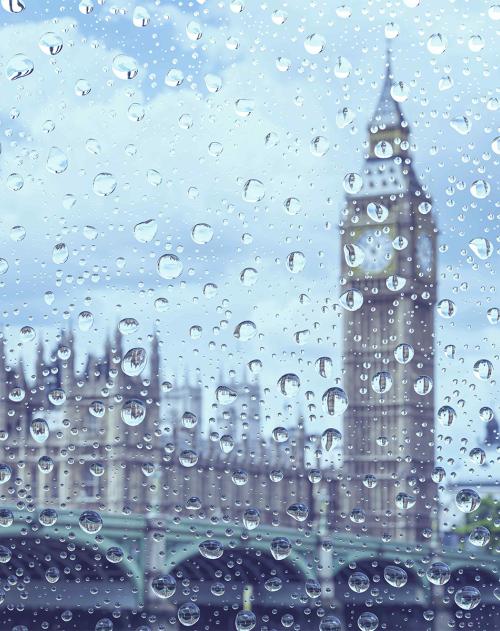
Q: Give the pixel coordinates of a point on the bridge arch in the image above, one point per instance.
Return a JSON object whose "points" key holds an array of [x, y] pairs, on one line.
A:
{"points": [[240, 579], [396, 607]]}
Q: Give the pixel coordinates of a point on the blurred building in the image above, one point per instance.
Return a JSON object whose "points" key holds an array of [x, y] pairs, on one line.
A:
{"points": [[99, 438], [388, 240]]}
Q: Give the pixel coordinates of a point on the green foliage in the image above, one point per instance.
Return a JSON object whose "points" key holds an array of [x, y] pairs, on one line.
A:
{"points": [[487, 515]]}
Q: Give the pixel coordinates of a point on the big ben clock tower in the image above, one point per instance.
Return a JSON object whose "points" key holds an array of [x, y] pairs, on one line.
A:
{"points": [[388, 240]]}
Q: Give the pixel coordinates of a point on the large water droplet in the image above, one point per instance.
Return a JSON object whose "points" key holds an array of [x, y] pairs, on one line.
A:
{"points": [[125, 67], [104, 184], [50, 44], [134, 361], [253, 191], [334, 401], [19, 67], [169, 266], [482, 247]]}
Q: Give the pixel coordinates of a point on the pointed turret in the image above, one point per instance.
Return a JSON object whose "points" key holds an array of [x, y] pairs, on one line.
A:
{"points": [[388, 124]]}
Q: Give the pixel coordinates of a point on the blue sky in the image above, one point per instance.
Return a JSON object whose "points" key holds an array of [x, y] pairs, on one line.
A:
{"points": [[115, 276]]}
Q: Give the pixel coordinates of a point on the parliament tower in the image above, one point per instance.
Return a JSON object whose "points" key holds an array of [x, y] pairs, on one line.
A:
{"points": [[388, 242]]}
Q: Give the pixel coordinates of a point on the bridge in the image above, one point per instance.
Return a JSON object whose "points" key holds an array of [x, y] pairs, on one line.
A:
{"points": [[67, 578]]}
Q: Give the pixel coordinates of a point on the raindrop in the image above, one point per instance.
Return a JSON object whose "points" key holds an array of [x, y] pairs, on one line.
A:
{"points": [[104, 184], [134, 361], [50, 44], [169, 266], [289, 384], [90, 522], [482, 248], [253, 191], [125, 67], [467, 500], [133, 412], [352, 299], [334, 401], [19, 67]]}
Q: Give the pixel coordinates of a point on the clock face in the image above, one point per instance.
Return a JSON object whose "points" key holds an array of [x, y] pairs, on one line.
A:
{"points": [[378, 251], [424, 253]]}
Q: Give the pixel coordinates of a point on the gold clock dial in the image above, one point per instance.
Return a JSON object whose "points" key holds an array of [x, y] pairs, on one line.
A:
{"points": [[378, 251]]}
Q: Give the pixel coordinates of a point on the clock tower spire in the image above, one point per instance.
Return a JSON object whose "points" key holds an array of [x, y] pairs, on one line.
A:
{"points": [[388, 239]]}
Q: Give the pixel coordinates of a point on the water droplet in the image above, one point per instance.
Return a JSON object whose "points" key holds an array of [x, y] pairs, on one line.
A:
{"points": [[174, 78], [483, 369], [482, 247], [140, 17], [345, 117], [404, 353], [383, 149], [253, 191], [324, 366], [60, 253], [19, 67], [334, 401], [395, 283], [352, 183], [5, 473], [251, 518], [134, 361], [493, 314], [467, 500], [213, 83], [314, 44], [124, 67], [211, 549], [104, 184], [50, 44], [169, 266], [381, 382], [446, 415], [367, 621], [480, 189], [446, 308], [289, 384], [423, 385], [248, 276], [90, 522], [245, 331], [342, 68], [461, 124], [436, 44], [352, 300], [82, 87], [13, 6], [480, 536], [377, 212], [404, 501], [280, 548], [353, 255], [133, 412], [400, 92], [330, 438], [467, 597], [188, 614], [358, 582], [202, 233], [145, 231], [246, 620], [225, 395], [295, 262], [244, 107], [136, 112], [395, 576], [319, 146], [298, 511]]}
